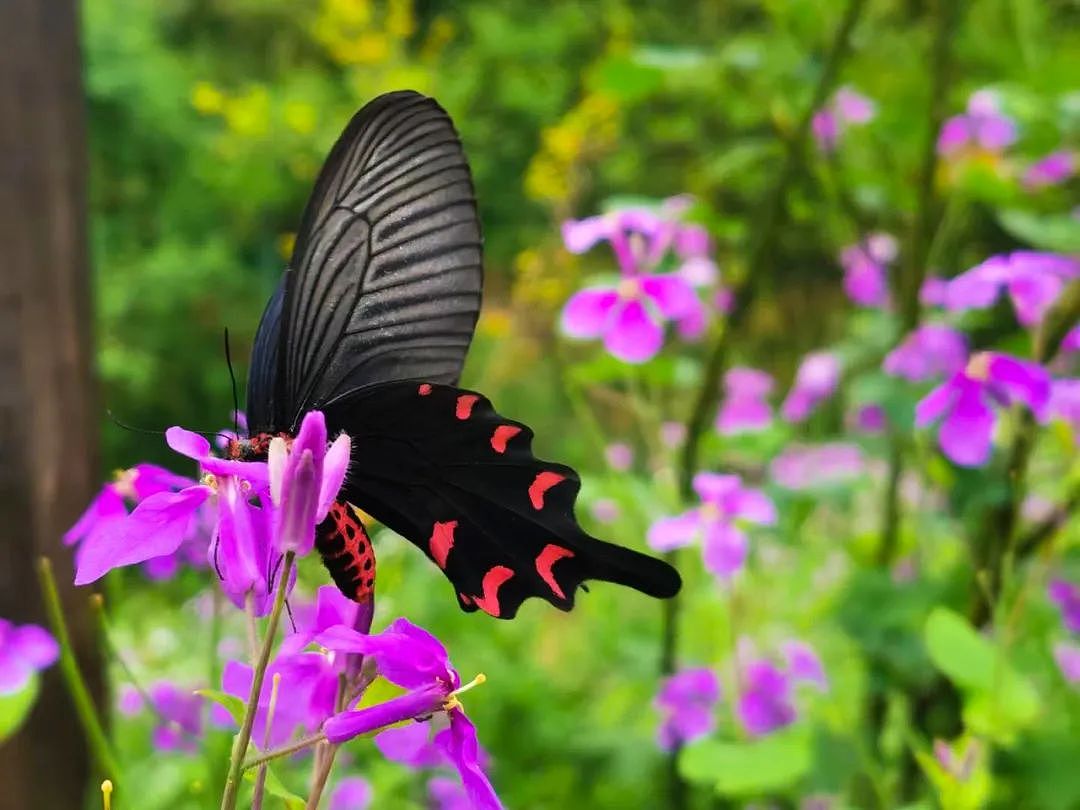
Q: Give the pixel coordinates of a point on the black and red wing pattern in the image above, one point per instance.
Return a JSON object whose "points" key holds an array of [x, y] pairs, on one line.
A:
{"points": [[386, 275], [438, 465]]}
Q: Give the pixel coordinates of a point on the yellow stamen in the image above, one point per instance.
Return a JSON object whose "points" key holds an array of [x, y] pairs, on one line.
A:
{"points": [[978, 367], [210, 480], [452, 701], [106, 794], [710, 511], [628, 288]]}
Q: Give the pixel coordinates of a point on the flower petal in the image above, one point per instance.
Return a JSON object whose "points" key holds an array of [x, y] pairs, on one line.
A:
{"points": [[587, 312], [418, 703], [581, 234], [725, 550], [34, 645], [464, 750], [410, 745], [933, 405], [633, 336], [673, 296], [335, 467], [351, 793], [965, 434], [674, 532], [187, 443]]}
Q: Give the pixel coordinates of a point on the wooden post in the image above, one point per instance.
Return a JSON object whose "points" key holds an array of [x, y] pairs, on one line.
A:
{"points": [[48, 432]]}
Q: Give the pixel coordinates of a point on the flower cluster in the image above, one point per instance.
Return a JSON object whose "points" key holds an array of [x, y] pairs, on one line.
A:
{"points": [[845, 109], [1066, 596], [866, 264], [630, 314], [983, 126], [24, 651]]}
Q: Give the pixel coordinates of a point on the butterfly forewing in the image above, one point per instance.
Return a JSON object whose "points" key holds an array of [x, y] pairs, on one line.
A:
{"points": [[386, 273]]}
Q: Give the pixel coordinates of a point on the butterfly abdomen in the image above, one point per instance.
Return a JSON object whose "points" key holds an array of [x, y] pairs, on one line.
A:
{"points": [[347, 552]]}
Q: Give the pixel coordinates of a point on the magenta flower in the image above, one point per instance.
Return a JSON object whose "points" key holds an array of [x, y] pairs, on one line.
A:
{"points": [[605, 510], [801, 467], [869, 419], [766, 702], [413, 659], [447, 794], [929, 351], [619, 456], [982, 126], [1051, 170], [745, 407], [815, 382], [1067, 656], [846, 108], [1065, 404], [24, 651], [672, 434], [413, 745], [866, 269], [351, 793], [179, 717], [724, 501], [330, 609], [967, 399], [305, 478], [686, 702], [1033, 280], [1066, 596], [933, 291], [803, 663]]}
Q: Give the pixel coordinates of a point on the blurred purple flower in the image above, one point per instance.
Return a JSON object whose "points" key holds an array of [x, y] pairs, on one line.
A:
{"points": [[412, 658], [412, 745], [686, 702], [620, 456], [351, 793], [801, 467], [803, 663], [982, 125], [929, 351], [672, 434], [605, 510], [1034, 280], [330, 609], [766, 701], [1054, 168], [933, 291], [24, 651], [1067, 656], [1065, 404], [446, 794], [815, 382], [1066, 596], [181, 710], [724, 500], [745, 407], [866, 269], [846, 108], [869, 419], [967, 398]]}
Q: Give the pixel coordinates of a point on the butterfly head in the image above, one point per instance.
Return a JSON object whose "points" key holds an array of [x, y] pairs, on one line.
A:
{"points": [[253, 448]]}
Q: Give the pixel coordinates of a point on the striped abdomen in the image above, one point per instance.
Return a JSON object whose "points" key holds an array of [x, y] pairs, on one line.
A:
{"points": [[346, 552]]}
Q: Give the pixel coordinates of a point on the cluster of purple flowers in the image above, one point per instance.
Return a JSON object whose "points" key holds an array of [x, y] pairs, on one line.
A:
{"points": [[25, 650], [765, 694], [845, 109], [630, 314], [866, 264], [1066, 596]]}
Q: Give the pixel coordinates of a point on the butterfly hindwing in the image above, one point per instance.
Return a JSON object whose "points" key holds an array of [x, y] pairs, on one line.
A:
{"points": [[438, 465], [386, 272]]}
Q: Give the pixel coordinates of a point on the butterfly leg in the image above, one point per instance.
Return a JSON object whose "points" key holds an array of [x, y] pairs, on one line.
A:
{"points": [[347, 552]]}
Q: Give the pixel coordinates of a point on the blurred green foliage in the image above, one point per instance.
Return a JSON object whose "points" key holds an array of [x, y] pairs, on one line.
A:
{"points": [[209, 119]]}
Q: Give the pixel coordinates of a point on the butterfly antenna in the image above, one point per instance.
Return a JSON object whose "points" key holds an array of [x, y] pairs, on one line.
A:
{"points": [[134, 429], [232, 378]]}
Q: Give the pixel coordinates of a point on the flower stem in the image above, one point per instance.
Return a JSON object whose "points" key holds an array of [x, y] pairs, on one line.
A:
{"points": [[243, 739], [322, 773], [73, 677], [284, 751], [260, 777]]}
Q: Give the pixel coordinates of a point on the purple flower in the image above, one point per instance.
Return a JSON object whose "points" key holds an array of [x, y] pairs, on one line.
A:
{"points": [[1066, 596], [306, 694], [304, 481], [929, 351], [446, 794], [181, 711], [620, 456], [866, 269], [412, 745], [1065, 403], [686, 702], [672, 434], [605, 510], [1067, 656], [1055, 168], [351, 793], [1034, 281], [801, 467], [330, 609], [766, 701], [983, 126], [724, 500], [24, 651], [413, 659], [933, 291], [745, 407], [846, 108], [967, 398], [803, 663], [815, 382], [869, 419]]}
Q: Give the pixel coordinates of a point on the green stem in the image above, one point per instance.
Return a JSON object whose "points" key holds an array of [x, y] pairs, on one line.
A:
{"points": [[73, 677], [322, 773], [243, 739], [260, 776], [284, 751]]}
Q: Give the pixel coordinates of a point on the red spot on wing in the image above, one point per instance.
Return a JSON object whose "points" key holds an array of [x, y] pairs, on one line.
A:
{"points": [[543, 482], [465, 405], [424, 389], [465, 598], [547, 558], [493, 580], [503, 434], [442, 540]]}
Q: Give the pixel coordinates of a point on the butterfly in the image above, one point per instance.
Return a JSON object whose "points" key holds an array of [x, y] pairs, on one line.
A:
{"points": [[370, 324]]}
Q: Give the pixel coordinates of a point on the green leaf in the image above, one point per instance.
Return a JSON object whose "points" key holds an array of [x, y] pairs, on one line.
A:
{"points": [[627, 79], [748, 768], [232, 704], [15, 707], [275, 787], [1000, 701], [1059, 233]]}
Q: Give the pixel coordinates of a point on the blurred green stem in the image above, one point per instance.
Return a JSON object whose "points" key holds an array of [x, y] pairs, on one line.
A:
{"points": [[73, 677], [240, 745], [260, 776]]}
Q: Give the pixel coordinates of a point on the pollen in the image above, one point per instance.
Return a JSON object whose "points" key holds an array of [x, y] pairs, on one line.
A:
{"points": [[106, 794], [710, 511], [452, 701], [210, 480], [978, 367], [629, 288]]}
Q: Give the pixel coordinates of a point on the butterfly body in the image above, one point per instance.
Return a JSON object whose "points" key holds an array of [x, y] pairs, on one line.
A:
{"points": [[371, 325]]}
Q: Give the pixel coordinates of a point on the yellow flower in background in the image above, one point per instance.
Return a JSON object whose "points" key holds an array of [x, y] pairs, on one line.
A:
{"points": [[400, 20], [249, 114], [495, 323], [347, 13], [440, 33], [300, 117], [207, 99], [359, 32], [285, 245]]}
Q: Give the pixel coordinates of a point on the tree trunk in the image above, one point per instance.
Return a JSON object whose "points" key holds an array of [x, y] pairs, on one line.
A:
{"points": [[48, 433]]}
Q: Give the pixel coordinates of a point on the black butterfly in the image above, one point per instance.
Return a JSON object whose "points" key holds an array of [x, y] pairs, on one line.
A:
{"points": [[370, 324]]}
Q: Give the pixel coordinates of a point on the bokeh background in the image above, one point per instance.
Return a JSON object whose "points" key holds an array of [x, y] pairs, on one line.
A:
{"points": [[207, 122]]}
